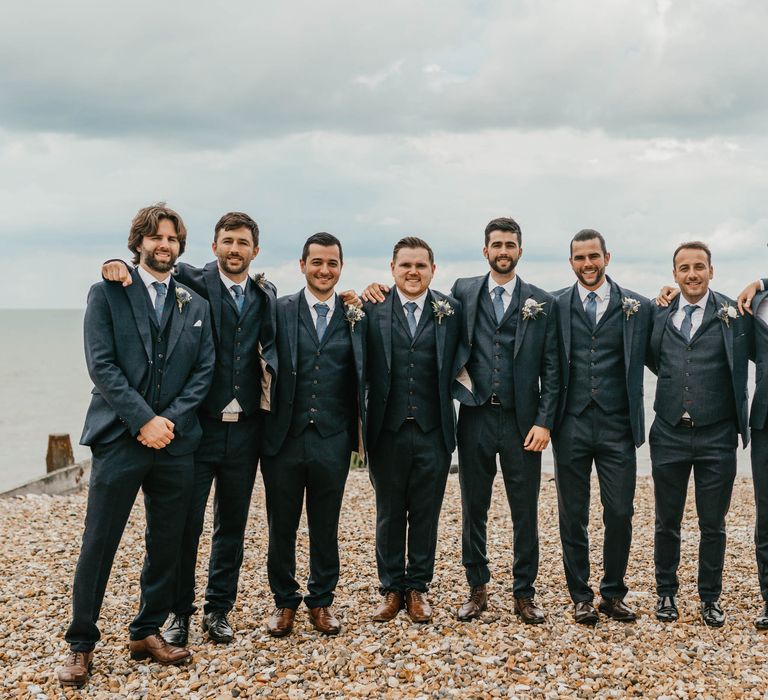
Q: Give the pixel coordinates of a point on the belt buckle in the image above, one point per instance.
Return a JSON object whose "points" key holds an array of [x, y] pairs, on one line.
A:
{"points": [[230, 417], [495, 400], [687, 422]]}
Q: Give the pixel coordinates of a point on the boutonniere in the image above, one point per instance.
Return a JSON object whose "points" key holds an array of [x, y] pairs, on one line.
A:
{"points": [[260, 279], [353, 314], [726, 312], [629, 306], [441, 309], [183, 297], [532, 309]]}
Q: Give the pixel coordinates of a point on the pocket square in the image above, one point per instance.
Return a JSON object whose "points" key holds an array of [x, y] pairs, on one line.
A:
{"points": [[197, 324]]}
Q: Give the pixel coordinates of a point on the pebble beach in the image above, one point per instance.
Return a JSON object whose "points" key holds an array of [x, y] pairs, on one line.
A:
{"points": [[496, 656]]}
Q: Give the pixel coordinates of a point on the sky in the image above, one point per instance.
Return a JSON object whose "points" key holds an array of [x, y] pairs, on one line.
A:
{"points": [[643, 119]]}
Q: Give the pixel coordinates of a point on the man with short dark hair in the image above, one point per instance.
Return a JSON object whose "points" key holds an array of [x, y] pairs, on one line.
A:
{"points": [[149, 352], [699, 349]]}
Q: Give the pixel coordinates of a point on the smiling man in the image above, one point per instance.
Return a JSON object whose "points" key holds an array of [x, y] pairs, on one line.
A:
{"points": [[699, 349]]}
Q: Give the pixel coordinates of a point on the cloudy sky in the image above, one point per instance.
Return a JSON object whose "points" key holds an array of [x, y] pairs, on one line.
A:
{"points": [[644, 119]]}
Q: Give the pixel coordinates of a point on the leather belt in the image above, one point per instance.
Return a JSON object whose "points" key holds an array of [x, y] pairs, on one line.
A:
{"points": [[687, 422], [494, 400]]}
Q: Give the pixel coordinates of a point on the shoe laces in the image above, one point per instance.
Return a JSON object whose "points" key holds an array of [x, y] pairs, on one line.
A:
{"points": [[476, 595], [77, 658]]}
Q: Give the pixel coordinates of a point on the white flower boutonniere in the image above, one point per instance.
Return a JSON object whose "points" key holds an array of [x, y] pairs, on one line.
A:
{"points": [[183, 297], [260, 279], [629, 306], [532, 309], [353, 314], [441, 309], [726, 312]]}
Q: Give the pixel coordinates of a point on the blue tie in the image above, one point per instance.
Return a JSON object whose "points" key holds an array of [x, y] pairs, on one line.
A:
{"points": [[687, 325], [591, 308], [237, 290], [161, 290], [322, 321], [498, 304], [410, 316]]}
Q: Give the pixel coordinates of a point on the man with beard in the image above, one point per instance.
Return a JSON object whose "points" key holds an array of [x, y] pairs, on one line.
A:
{"points": [[242, 314], [149, 352], [603, 335]]}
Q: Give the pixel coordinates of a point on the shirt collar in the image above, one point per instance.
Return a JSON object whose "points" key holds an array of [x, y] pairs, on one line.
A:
{"points": [[228, 283], [602, 292], [509, 287], [418, 301], [149, 280], [701, 303], [312, 300]]}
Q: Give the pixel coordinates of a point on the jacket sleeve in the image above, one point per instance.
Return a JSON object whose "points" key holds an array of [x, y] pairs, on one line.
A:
{"points": [[549, 374], [101, 359]]}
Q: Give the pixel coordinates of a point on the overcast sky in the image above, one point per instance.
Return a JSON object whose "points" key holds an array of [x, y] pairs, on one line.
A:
{"points": [[644, 119]]}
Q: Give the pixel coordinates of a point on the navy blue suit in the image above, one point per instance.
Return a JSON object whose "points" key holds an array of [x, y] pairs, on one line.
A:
{"points": [[140, 369], [308, 441], [600, 419], [510, 384]]}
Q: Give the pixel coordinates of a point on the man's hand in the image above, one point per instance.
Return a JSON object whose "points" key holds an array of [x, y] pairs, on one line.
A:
{"points": [[156, 433], [350, 298], [116, 271], [537, 439], [746, 296], [666, 295], [375, 292]]}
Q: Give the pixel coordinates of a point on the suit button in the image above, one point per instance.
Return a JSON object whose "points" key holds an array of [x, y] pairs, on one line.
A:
{"points": [[238, 357], [237, 386], [313, 396], [160, 355], [314, 381], [686, 388], [317, 366], [239, 329]]}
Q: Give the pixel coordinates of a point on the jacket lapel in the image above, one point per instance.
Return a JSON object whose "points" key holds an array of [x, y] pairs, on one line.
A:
{"points": [[627, 328], [440, 327], [385, 319], [474, 294], [565, 302], [292, 320], [140, 306], [707, 318], [177, 324], [759, 298], [305, 316], [717, 301], [213, 285], [336, 318], [525, 293], [663, 319]]}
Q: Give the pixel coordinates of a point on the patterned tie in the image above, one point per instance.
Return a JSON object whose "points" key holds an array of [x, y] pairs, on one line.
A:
{"points": [[161, 290], [237, 290], [687, 325], [498, 304], [591, 308], [322, 321], [410, 315]]}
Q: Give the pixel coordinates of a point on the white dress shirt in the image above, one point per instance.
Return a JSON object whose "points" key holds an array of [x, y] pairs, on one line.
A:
{"points": [[419, 303], [149, 281], [312, 300], [602, 297], [509, 290], [696, 318]]}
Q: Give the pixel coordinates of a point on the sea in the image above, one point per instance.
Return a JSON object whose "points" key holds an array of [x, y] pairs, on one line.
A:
{"points": [[45, 389]]}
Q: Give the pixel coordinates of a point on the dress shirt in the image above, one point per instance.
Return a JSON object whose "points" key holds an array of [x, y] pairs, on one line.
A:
{"points": [[312, 300], [602, 297], [419, 304], [149, 280], [228, 283], [509, 290], [696, 318]]}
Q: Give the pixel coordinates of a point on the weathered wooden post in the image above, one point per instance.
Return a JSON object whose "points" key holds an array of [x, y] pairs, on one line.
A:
{"points": [[60, 453]]}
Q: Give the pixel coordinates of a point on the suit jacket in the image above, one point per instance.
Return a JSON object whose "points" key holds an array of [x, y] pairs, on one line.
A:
{"points": [[287, 330], [379, 354], [636, 332], [207, 283], [758, 416], [535, 366], [737, 341], [118, 353]]}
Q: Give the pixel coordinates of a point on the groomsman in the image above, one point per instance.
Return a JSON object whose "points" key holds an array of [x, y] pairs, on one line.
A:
{"points": [[412, 340], [242, 314], [310, 436], [699, 349], [149, 352], [508, 391], [603, 332]]}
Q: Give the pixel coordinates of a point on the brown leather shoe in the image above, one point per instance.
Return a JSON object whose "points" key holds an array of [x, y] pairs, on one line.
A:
{"points": [[474, 607], [389, 607], [417, 605], [616, 609], [155, 647], [528, 612], [280, 622], [324, 620], [76, 669], [584, 613]]}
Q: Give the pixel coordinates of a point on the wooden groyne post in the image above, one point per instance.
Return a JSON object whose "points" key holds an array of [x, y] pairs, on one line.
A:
{"points": [[59, 453]]}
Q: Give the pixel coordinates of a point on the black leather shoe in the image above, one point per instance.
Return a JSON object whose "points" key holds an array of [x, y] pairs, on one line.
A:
{"points": [[218, 628], [584, 613], [761, 621], [666, 609], [712, 614], [177, 632], [616, 609]]}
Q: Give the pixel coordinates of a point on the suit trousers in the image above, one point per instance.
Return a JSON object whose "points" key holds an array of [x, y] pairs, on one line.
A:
{"points": [[760, 481], [118, 470], [711, 452], [409, 470], [484, 432], [605, 439], [228, 454], [316, 466]]}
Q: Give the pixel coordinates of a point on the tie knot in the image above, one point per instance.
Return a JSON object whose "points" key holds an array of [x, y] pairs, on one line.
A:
{"points": [[411, 306], [592, 296], [689, 309], [160, 288], [322, 309], [498, 291], [237, 290]]}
